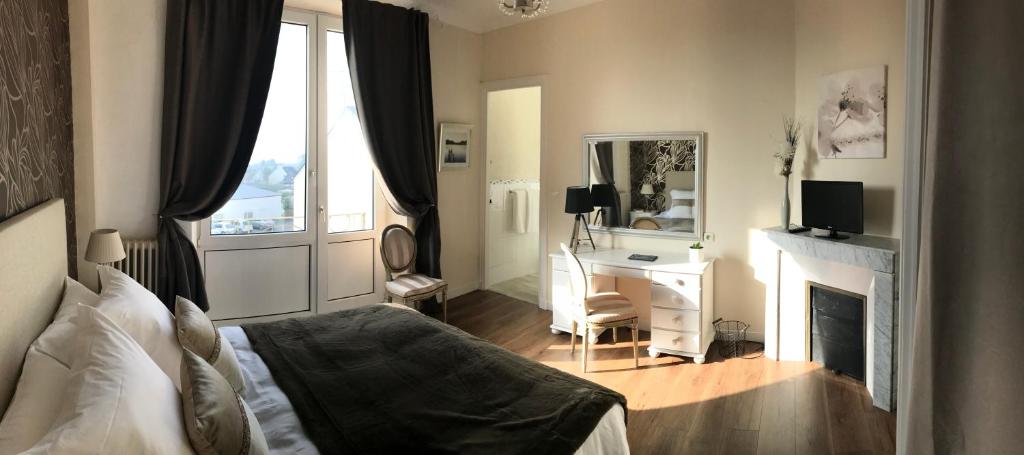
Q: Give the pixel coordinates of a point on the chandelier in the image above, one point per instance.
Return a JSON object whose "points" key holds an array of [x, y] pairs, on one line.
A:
{"points": [[523, 8]]}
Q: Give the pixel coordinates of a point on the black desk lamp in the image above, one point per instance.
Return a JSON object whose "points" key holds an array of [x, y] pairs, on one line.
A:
{"points": [[578, 202], [604, 197]]}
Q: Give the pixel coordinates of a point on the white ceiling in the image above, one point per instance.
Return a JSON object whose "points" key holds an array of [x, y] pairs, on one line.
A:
{"points": [[475, 15]]}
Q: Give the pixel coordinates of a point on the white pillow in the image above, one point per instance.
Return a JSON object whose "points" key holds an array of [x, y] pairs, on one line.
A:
{"points": [[141, 314], [55, 341], [117, 399], [679, 211], [37, 401], [74, 293]]}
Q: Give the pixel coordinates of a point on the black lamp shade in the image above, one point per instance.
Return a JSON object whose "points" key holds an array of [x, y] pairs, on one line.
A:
{"points": [[603, 194], [578, 200]]}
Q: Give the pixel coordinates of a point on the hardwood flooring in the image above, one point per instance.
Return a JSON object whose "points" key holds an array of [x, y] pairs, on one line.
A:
{"points": [[523, 288], [734, 406]]}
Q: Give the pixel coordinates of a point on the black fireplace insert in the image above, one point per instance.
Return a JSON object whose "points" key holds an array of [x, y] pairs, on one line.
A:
{"points": [[837, 330]]}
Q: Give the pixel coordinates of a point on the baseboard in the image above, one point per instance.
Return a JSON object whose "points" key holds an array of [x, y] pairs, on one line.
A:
{"points": [[755, 336], [462, 289]]}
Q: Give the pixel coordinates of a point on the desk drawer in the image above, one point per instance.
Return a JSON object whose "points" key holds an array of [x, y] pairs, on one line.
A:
{"points": [[674, 297], [622, 272], [558, 263], [682, 320], [675, 341], [677, 280]]}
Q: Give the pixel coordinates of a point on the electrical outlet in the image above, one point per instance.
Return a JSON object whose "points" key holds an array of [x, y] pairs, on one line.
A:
{"points": [[709, 236]]}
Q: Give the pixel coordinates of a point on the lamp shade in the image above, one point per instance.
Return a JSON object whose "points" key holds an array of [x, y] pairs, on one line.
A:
{"points": [[578, 200], [647, 189], [104, 247], [603, 194]]}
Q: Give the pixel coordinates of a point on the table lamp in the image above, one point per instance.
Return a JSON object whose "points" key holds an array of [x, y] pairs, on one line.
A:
{"points": [[647, 190], [604, 197], [578, 201], [105, 247]]}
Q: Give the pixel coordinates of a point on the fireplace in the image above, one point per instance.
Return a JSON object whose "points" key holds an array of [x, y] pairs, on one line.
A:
{"points": [[836, 329], [863, 265]]}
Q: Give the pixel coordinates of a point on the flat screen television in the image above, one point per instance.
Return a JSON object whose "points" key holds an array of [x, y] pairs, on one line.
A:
{"points": [[834, 206]]}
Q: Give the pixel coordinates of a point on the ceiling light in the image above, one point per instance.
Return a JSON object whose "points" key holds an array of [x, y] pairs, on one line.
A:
{"points": [[523, 8]]}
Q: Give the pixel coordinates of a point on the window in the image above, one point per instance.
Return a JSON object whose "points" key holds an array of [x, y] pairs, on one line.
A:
{"points": [[265, 200], [350, 172], [272, 196]]}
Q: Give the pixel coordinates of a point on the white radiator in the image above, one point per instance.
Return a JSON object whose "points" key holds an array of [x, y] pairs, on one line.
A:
{"points": [[140, 262]]}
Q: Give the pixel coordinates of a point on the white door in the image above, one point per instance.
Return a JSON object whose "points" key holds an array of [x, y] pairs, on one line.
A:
{"points": [[299, 236], [351, 272]]}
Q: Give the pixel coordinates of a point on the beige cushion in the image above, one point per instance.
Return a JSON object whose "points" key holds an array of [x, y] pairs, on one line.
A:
{"points": [[607, 307], [197, 333], [399, 249], [413, 284], [217, 420]]}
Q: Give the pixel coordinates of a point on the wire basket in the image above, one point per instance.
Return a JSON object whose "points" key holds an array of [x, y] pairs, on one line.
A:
{"points": [[731, 337]]}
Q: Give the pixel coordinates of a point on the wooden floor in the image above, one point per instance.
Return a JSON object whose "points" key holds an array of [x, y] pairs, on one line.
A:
{"points": [[734, 406]]}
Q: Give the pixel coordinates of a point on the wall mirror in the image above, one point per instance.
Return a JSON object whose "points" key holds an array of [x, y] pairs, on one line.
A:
{"points": [[646, 184]]}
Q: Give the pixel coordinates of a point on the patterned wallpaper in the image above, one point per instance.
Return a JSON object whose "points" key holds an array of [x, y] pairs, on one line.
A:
{"points": [[36, 158], [650, 160]]}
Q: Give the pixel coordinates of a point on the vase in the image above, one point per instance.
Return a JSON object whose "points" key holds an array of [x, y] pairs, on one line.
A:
{"points": [[785, 206], [696, 255]]}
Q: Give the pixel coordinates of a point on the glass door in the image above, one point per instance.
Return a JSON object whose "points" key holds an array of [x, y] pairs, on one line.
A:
{"points": [[350, 271], [259, 250]]}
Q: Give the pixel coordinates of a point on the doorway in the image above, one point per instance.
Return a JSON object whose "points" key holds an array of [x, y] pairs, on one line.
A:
{"points": [[512, 240]]}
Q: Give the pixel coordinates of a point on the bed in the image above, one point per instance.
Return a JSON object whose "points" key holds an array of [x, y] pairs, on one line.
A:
{"points": [[680, 197], [31, 278]]}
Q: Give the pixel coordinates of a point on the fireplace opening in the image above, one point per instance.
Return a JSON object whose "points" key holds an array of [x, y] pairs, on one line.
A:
{"points": [[836, 330]]}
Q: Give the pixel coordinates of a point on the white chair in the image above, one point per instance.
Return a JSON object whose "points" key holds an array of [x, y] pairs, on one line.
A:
{"points": [[398, 252], [602, 310]]}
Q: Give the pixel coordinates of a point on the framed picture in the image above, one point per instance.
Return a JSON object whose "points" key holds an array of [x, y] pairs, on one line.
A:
{"points": [[851, 114], [454, 148]]}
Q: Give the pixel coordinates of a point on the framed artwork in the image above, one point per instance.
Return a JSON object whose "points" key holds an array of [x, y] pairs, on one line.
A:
{"points": [[454, 148], [851, 114]]}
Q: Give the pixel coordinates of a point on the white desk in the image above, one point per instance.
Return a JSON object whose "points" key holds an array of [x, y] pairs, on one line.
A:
{"points": [[674, 298]]}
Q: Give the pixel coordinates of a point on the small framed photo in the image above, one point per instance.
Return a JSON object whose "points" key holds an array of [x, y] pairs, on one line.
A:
{"points": [[454, 148]]}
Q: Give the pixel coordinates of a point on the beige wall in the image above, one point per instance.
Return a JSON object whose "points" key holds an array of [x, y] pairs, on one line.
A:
{"points": [[513, 134], [834, 36], [117, 77], [455, 56], [724, 67]]}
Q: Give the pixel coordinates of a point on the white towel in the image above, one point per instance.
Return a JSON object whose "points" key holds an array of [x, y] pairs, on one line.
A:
{"points": [[520, 203]]}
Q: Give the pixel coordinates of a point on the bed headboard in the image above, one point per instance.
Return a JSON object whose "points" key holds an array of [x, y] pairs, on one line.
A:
{"points": [[678, 180], [33, 248]]}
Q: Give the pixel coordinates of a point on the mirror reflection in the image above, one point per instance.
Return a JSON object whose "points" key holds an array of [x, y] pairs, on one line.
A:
{"points": [[646, 183]]}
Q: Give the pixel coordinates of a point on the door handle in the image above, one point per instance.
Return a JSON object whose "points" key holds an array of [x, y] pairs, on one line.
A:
{"points": [[323, 215]]}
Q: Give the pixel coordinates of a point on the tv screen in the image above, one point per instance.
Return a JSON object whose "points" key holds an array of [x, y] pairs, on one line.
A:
{"points": [[836, 206]]}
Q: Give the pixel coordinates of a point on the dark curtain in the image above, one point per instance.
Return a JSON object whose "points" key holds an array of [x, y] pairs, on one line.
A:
{"points": [[966, 369], [388, 49], [606, 166], [219, 60]]}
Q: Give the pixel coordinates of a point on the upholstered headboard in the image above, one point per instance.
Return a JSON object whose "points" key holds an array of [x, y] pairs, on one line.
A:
{"points": [[33, 264], [678, 180]]}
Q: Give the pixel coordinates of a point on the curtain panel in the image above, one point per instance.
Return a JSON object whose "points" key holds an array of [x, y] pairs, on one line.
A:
{"points": [[219, 60], [606, 167], [966, 370], [388, 51]]}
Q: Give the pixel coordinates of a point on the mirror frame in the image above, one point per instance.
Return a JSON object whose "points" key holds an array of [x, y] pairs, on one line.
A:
{"points": [[698, 221]]}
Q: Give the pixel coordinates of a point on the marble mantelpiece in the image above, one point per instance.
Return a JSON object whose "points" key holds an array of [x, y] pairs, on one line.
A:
{"points": [[879, 256]]}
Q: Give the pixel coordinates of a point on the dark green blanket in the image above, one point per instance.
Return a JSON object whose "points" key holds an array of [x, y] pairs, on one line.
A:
{"points": [[386, 379], [382, 379]]}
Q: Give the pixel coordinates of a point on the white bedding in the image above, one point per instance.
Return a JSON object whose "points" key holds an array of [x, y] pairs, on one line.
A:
{"points": [[285, 434]]}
